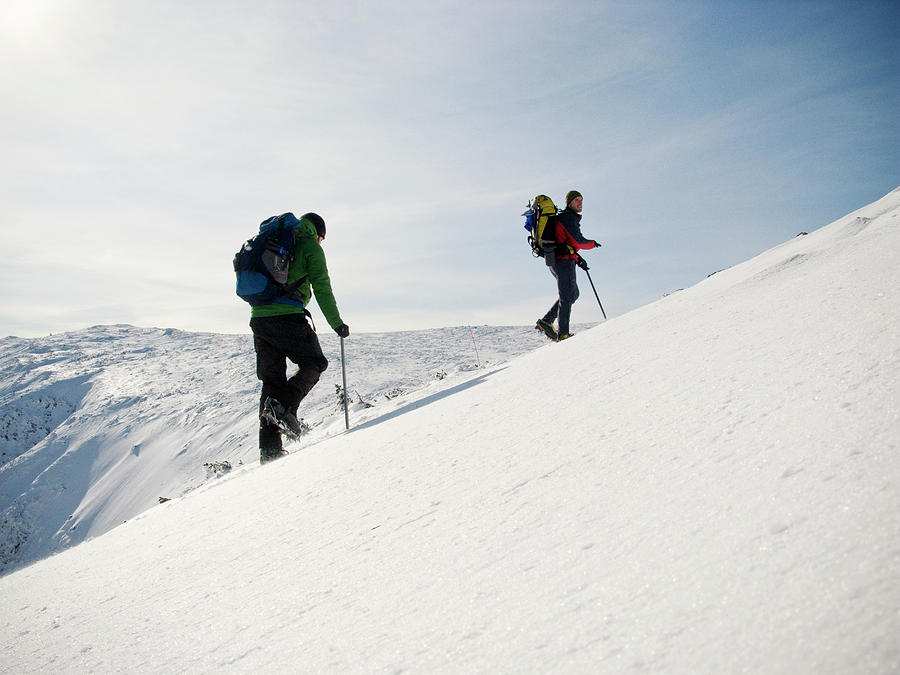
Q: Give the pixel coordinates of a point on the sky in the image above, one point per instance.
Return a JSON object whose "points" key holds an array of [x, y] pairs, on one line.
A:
{"points": [[143, 142]]}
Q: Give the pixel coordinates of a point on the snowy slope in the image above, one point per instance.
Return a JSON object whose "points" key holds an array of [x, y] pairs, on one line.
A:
{"points": [[97, 425], [714, 489]]}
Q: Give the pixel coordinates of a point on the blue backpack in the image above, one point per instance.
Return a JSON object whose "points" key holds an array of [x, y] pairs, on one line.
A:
{"points": [[263, 262]]}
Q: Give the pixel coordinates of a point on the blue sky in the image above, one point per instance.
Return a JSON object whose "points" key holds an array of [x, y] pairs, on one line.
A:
{"points": [[144, 141]]}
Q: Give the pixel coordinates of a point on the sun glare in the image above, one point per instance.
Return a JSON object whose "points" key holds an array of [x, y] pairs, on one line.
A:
{"points": [[23, 21]]}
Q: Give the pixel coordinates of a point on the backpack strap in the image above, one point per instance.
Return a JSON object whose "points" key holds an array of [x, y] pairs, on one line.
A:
{"points": [[309, 316], [290, 288], [287, 290]]}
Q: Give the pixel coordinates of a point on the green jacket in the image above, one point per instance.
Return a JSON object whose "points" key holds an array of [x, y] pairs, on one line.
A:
{"points": [[309, 261]]}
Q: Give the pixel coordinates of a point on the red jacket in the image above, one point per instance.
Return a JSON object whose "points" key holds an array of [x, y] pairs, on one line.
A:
{"points": [[569, 239]]}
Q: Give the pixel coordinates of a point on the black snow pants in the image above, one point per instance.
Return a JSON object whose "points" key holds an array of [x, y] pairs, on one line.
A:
{"points": [[277, 338], [564, 271]]}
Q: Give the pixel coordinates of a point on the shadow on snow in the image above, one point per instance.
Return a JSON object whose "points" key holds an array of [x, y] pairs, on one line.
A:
{"points": [[428, 400]]}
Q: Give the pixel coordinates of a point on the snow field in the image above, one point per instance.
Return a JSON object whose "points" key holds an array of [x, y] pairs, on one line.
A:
{"points": [[707, 484]]}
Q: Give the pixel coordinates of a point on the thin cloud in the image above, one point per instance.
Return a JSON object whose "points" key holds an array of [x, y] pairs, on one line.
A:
{"points": [[151, 139]]}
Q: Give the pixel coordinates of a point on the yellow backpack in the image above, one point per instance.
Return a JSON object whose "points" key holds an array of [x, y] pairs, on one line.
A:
{"points": [[541, 211]]}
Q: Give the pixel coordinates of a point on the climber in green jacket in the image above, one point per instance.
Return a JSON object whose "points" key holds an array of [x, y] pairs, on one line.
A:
{"points": [[282, 331]]}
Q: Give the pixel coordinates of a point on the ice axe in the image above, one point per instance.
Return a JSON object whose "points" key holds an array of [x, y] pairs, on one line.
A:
{"points": [[344, 371]]}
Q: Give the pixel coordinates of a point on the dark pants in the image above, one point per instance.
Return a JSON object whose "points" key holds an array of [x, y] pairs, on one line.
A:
{"points": [[275, 339], [564, 271]]}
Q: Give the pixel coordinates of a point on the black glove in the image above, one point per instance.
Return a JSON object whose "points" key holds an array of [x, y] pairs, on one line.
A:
{"points": [[343, 330], [582, 263], [596, 244]]}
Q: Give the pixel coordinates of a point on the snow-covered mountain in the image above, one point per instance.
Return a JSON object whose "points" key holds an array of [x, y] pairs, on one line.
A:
{"points": [[709, 484], [99, 425]]}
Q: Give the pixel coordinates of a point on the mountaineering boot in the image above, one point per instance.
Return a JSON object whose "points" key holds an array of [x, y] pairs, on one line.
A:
{"points": [[266, 456], [547, 328], [566, 336], [274, 413]]}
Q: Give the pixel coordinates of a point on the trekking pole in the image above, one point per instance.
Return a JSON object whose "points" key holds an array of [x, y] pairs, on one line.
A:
{"points": [[595, 292], [477, 360], [344, 370]]}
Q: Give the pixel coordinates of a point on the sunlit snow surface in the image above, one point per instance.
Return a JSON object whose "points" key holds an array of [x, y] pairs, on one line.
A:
{"points": [[709, 484]]}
